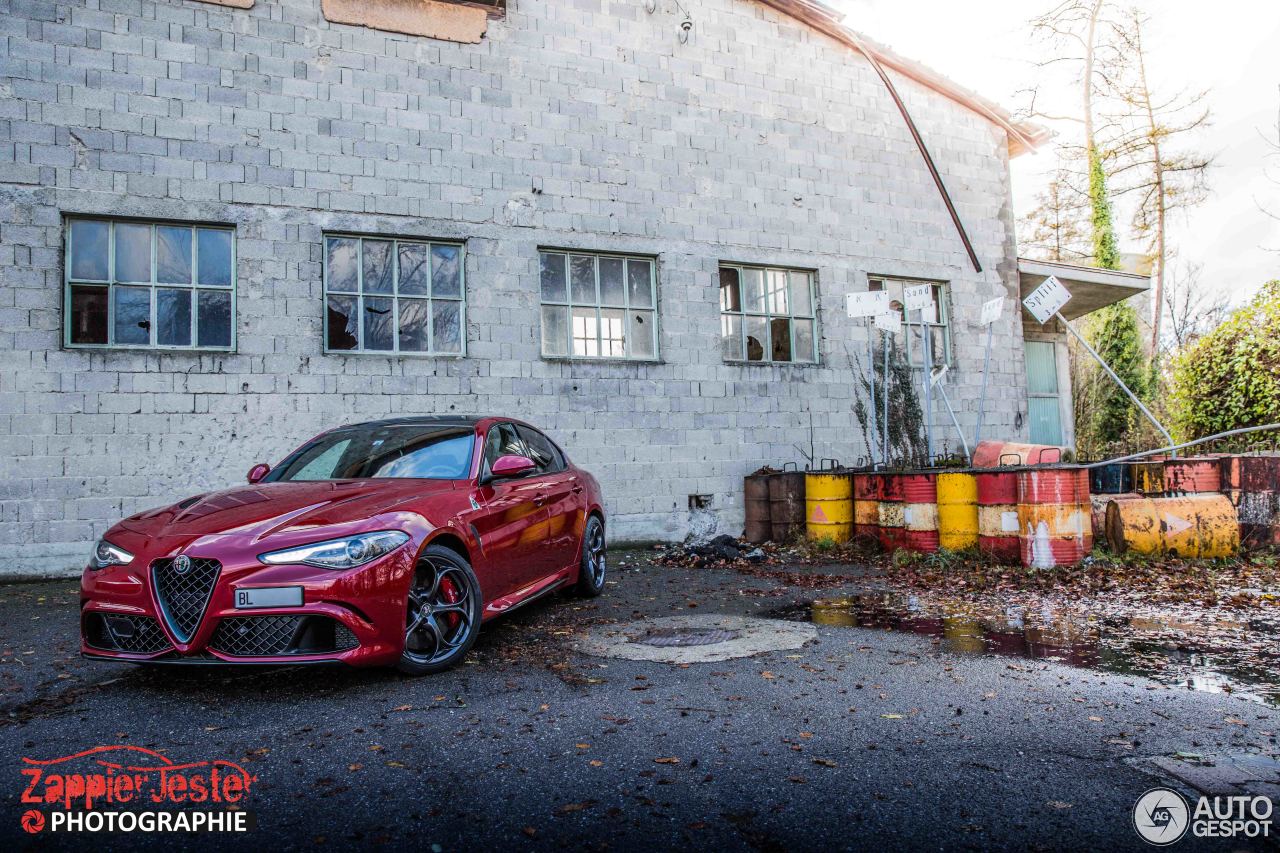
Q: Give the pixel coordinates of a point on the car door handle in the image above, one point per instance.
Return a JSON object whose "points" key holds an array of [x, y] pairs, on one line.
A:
{"points": [[539, 500], [577, 490]]}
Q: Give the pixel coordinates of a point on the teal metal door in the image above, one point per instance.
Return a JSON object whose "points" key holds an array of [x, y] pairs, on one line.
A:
{"points": [[1043, 398]]}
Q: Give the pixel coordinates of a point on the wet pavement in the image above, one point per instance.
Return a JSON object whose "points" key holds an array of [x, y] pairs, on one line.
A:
{"points": [[983, 730]]}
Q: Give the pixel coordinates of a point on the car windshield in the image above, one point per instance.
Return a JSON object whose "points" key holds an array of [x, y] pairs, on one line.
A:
{"points": [[427, 452]]}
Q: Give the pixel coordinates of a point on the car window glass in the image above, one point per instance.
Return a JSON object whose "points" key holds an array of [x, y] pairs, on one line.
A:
{"points": [[406, 451], [431, 460], [320, 461], [502, 441], [541, 450]]}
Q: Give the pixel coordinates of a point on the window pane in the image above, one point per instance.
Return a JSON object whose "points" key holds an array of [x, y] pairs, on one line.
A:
{"points": [[173, 317], [757, 338], [414, 316], [415, 269], [640, 283], [938, 342], [377, 266], [731, 337], [753, 290], [801, 295], [1045, 417], [213, 318], [613, 335], [541, 450], [446, 325], [133, 252], [446, 271], [378, 314], [89, 249], [642, 333], [555, 330], [133, 315], [612, 286], [802, 330], [173, 254], [582, 279], [552, 268], [341, 311], [585, 339], [1042, 368], [343, 253], [214, 250], [780, 338], [776, 297], [730, 298], [88, 315]]}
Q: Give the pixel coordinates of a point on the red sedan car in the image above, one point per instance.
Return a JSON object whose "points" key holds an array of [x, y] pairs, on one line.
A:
{"points": [[379, 543]]}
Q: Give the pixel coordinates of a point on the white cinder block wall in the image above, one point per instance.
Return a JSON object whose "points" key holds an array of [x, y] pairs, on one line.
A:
{"points": [[584, 125]]}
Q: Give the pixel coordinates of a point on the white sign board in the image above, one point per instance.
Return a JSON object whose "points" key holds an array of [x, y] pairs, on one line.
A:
{"points": [[991, 310], [889, 321], [937, 375], [918, 296], [867, 304], [929, 313], [1047, 299]]}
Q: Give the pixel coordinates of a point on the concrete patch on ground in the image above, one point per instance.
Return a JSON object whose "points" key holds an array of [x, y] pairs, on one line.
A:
{"points": [[702, 638]]}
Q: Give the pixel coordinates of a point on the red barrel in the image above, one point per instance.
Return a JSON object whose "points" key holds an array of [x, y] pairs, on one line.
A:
{"points": [[866, 507], [920, 512], [1192, 475], [1055, 528], [998, 525], [996, 454], [891, 531], [1251, 482]]}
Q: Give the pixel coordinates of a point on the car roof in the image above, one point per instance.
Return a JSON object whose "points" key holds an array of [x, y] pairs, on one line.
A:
{"points": [[422, 420]]}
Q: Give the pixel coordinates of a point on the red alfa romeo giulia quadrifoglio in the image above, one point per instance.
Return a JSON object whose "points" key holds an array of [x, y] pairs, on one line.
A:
{"points": [[374, 544]]}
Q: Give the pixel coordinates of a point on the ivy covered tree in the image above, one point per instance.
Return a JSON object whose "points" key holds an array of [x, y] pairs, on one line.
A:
{"points": [[1230, 378], [1109, 415]]}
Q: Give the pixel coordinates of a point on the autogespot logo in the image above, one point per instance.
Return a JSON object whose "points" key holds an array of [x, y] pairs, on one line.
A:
{"points": [[1161, 816]]}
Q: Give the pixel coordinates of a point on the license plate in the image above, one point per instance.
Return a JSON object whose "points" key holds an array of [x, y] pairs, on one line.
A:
{"points": [[269, 596]]}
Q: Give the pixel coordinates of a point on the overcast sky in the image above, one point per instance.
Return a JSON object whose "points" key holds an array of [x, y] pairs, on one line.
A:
{"points": [[1231, 48]]}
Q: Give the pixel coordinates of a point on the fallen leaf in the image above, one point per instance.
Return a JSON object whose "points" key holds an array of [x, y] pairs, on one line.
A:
{"points": [[666, 761], [825, 762]]}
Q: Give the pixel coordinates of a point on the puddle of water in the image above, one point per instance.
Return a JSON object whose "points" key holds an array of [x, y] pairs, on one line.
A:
{"points": [[1217, 655]]}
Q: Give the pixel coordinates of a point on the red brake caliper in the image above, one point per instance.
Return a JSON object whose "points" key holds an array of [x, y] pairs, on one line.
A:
{"points": [[450, 594]]}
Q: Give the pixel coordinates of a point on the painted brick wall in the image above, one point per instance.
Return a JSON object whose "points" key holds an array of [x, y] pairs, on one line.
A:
{"points": [[583, 124]]}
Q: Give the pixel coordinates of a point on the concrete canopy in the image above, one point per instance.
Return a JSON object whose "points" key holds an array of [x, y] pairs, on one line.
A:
{"points": [[1091, 288]]}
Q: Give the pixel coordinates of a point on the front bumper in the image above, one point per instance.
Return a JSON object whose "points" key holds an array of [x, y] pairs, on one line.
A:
{"points": [[354, 617]]}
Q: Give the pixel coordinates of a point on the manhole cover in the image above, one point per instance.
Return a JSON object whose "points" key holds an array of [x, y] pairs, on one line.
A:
{"points": [[668, 638]]}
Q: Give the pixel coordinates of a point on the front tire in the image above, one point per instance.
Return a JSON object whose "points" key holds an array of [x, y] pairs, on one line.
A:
{"points": [[442, 617], [594, 559]]}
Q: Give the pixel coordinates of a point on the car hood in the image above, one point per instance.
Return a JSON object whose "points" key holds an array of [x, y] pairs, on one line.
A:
{"points": [[266, 509]]}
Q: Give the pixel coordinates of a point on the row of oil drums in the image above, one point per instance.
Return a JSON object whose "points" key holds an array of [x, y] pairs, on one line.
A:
{"points": [[775, 505]]}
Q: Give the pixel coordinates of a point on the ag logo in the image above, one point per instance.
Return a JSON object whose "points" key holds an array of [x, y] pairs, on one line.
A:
{"points": [[182, 564], [1161, 816]]}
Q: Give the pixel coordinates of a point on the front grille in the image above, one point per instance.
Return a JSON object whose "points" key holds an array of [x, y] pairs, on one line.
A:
{"points": [[184, 596], [271, 636], [138, 635]]}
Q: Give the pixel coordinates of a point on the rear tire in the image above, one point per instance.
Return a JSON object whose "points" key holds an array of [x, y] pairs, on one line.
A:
{"points": [[594, 564], [442, 615]]}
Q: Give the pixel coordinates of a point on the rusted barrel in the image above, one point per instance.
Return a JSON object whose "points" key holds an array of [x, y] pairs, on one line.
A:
{"points": [[828, 498], [755, 490], [1179, 526], [866, 507], [991, 454], [957, 510], [890, 512], [1098, 512], [920, 512], [1192, 475], [1053, 516], [786, 505], [1148, 477], [998, 514], [1114, 479], [1251, 482]]}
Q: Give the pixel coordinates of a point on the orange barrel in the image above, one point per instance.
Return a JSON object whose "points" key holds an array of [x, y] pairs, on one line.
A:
{"points": [[957, 510], [1053, 516], [1251, 483], [1098, 512], [1192, 474], [828, 500], [755, 491], [890, 512], [920, 512], [991, 454], [1148, 477], [866, 507], [998, 515], [786, 505], [1179, 526]]}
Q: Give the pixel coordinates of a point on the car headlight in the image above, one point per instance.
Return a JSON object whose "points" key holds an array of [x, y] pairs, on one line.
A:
{"points": [[339, 553], [105, 554]]}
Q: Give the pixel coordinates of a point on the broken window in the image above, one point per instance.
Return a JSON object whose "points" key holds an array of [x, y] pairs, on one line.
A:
{"points": [[154, 285], [935, 323], [767, 314], [386, 295], [598, 306]]}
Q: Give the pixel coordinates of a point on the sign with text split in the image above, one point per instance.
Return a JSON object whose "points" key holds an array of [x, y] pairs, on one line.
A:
{"points": [[1047, 299]]}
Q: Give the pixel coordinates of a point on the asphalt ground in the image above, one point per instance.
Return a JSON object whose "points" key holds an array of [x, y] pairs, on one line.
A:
{"points": [[861, 739]]}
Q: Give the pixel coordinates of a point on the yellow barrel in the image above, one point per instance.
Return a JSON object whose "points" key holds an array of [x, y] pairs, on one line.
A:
{"points": [[828, 504], [1148, 477], [957, 510], [1199, 525]]}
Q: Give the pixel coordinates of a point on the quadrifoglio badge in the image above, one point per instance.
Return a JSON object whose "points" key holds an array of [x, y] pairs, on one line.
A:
{"points": [[134, 789], [1163, 816]]}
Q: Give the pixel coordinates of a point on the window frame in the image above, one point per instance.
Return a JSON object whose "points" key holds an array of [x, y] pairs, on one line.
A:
{"points": [[942, 290], [599, 306], [110, 284], [742, 314], [395, 296]]}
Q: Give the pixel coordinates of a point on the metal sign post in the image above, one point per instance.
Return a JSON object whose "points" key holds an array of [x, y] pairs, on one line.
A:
{"points": [[868, 305], [889, 323], [920, 298], [938, 378], [991, 311]]}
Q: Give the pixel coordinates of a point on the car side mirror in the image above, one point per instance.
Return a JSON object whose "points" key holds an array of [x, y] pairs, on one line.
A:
{"points": [[511, 466], [257, 472]]}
